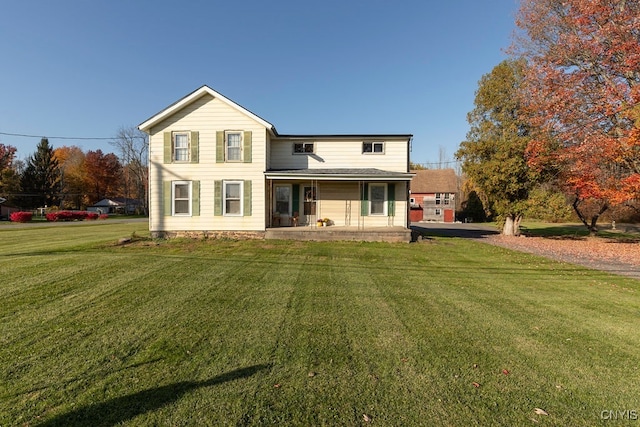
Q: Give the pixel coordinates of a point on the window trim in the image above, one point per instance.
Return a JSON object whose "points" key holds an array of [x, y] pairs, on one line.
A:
{"points": [[226, 145], [240, 184], [174, 149], [189, 199], [373, 145], [384, 200], [304, 146]]}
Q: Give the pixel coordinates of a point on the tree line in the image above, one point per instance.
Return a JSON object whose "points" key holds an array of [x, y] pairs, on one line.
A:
{"points": [[562, 114], [69, 178]]}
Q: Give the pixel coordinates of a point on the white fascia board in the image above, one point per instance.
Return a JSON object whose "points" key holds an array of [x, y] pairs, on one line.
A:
{"points": [[148, 124]]}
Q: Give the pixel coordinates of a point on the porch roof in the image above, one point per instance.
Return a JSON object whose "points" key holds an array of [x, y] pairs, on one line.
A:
{"points": [[367, 174]]}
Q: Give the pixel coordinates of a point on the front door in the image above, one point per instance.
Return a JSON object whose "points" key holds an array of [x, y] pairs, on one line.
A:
{"points": [[309, 208], [282, 203]]}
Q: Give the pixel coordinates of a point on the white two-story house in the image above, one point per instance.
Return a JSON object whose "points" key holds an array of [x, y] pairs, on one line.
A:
{"points": [[216, 167]]}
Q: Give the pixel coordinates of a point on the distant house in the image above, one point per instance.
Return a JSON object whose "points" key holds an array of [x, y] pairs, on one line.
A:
{"points": [[433, 195], [216, 167], [119, 205], [6, 211]]}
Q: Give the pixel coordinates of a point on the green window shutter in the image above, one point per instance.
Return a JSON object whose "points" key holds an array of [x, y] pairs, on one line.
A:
{"points": [[217, 198], [391, 196], [246, 149], [166, 195], [295, 198], [220, 147], [247, 198], [167, 147], [364, 200], [195, 142], [195, 198]]}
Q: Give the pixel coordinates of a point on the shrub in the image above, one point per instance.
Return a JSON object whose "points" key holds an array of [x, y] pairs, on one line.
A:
{"points": [[51, 216], [21, 216], [549, 205], [70, 216], [104, 216]]}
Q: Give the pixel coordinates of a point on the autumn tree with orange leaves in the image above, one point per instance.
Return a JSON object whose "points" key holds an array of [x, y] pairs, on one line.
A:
{"points": [[582, 89], [74, 177], [104, 173]]}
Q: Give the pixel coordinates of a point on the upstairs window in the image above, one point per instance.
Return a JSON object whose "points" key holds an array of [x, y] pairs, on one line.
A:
{"points": [[447, 198], [303, 148], [438, 198], [233, 146], [373, 148], [181, 147]]}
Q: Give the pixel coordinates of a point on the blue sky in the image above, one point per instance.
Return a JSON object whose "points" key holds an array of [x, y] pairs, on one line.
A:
{"points": [[87, 68]]}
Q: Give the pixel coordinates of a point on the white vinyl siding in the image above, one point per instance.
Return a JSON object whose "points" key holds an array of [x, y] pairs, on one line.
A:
{"points": [[208, 116], [336, 154]]}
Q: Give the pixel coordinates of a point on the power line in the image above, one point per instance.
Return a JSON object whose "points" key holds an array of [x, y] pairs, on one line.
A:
{"points": [[22, 135], [448, 162]]}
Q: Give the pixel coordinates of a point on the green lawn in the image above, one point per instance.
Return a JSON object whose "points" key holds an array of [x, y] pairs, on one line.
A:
{"points": [[445, 332]]}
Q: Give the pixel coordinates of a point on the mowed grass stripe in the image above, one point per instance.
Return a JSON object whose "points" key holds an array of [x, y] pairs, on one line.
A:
{"points": [[227, 333]]}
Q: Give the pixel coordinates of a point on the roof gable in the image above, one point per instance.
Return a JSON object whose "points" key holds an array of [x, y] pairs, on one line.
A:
{"points": [[195, 95], [434, 181]]}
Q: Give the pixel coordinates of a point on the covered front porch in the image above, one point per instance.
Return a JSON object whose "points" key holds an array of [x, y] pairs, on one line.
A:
{"points": [[337, 204]]}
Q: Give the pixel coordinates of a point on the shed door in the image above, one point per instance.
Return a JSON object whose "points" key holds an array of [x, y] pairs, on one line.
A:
{"points": [[448, 215]]}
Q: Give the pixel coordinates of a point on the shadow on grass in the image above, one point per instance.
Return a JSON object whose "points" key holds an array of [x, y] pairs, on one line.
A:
{"points": [[465, 231], [124, 408]]}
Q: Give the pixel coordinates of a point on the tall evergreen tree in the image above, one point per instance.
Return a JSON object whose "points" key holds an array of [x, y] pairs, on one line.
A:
{"points": [[41, 178]]}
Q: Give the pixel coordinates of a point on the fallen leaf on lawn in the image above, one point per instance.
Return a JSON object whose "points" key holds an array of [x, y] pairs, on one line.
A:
{"points": [[505, 371], [540, 411], [475, 366], [312, 374], [366, 418], [476, 385], [276, 386]]}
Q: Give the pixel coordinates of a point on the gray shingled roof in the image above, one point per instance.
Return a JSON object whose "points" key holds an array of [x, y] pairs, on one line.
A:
{"points": [[334, 171], [348, 174]]}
